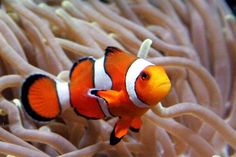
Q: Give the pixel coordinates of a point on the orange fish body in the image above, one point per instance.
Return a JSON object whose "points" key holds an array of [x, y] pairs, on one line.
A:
{"points": [[116, 85]]}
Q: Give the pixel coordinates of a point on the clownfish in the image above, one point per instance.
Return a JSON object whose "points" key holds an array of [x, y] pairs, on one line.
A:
{"points": [[116, 85]]}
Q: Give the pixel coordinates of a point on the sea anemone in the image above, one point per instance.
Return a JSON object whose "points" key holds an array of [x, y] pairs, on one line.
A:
{"points": [[195, 41]]}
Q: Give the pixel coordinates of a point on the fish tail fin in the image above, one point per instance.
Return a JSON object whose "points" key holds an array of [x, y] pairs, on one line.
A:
{"points": [[39, 98]]}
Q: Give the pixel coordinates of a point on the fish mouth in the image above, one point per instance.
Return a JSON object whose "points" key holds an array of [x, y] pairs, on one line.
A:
{"points": [[164, 87], [164, 83]]}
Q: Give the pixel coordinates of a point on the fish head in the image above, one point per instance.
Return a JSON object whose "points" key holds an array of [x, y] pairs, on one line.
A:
{"points": [[152, 84]]}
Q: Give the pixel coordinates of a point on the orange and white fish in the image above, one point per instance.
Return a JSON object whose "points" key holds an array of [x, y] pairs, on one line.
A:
{"points": [[116, 85]]}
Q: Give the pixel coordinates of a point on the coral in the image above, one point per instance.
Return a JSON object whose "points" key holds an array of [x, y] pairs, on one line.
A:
{"points": [[193, 40]]}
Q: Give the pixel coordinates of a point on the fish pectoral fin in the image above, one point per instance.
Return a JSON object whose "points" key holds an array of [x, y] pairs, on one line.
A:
{"points": [[110, 96], [120, 130]]}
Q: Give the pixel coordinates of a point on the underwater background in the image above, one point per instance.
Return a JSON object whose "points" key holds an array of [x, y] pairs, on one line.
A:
{"points": [[194, 40]]}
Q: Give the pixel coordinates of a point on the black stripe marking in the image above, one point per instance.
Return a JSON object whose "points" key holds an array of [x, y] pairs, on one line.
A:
{"points": [[110, 111], [70, 95], [58, 101], [72, 69]]}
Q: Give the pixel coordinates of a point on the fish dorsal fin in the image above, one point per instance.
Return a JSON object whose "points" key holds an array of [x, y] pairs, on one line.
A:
{"points": [[115, 52], [110, 50], [75, 70], [116, 55], [116, 64]]}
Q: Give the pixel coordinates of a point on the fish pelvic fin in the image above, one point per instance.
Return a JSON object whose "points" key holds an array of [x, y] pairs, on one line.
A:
{"points": [[39, 98], [120, 130], [136, 124]]}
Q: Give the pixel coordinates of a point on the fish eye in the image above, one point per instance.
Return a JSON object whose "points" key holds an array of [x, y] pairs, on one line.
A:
{"points": [[144, 76]]}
